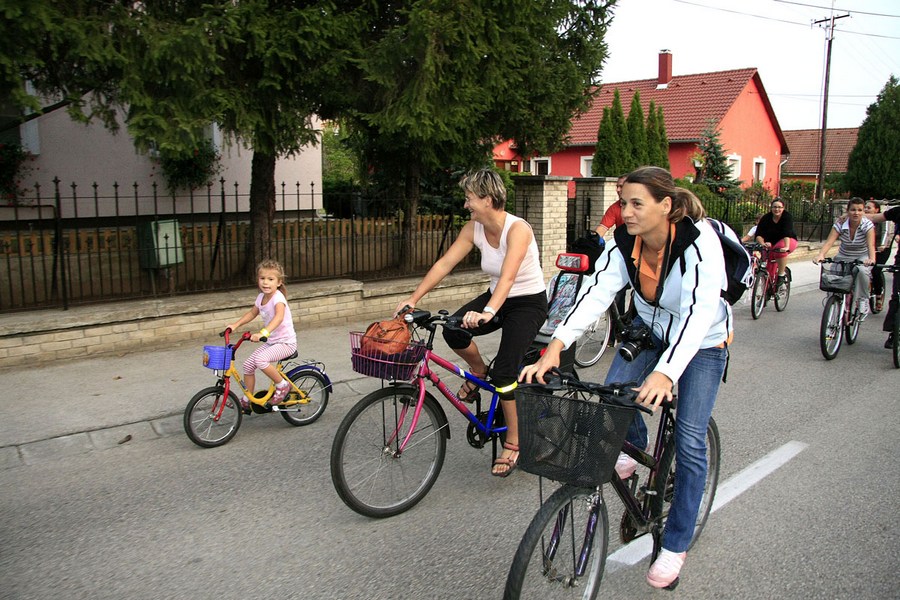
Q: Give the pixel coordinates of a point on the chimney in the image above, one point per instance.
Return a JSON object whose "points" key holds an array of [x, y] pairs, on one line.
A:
{"points": [[665, 69]]}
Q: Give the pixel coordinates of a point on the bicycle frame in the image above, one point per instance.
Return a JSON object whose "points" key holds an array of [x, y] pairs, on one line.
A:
{"points": [[425, 372]]}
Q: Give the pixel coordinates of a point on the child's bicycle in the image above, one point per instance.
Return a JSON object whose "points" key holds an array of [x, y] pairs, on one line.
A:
{"points": [[389, 449], [574, 436], [214, 414]]}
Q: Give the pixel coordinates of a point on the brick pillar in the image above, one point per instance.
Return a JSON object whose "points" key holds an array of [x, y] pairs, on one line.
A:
{"points": [[542, 200], [593, 195]]}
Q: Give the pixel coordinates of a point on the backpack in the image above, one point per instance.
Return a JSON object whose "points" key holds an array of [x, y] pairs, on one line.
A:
{"points": [[737, 261]]}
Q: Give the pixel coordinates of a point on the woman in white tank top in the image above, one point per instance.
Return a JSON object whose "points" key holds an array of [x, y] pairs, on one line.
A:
{"points": [[515, 302]]}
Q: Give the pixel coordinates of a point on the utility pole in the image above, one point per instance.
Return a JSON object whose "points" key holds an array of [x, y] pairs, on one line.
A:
{"points": [[820, 183]]}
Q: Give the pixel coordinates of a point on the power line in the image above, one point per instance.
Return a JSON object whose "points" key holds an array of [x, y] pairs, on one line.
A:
{"points": [[858, 12]]}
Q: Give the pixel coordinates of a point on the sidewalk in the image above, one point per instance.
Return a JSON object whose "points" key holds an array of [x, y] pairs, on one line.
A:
{"points": [[97, 403]]}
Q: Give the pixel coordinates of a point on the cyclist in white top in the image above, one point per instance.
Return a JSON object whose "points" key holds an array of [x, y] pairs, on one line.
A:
{"points": [[515, 302]]}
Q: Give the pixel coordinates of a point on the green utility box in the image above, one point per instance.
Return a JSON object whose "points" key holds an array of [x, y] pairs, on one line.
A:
{"points": [[159, 244]]}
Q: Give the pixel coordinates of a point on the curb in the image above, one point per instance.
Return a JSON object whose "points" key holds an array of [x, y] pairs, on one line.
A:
{"points": [[104, 438]]}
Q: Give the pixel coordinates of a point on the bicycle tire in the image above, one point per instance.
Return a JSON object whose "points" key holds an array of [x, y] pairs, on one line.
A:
{"points": [[831, 330], [895, 350], [664, 484], [317, 390], [589, 348], [199, 423], [784, 295], [544, 564], [758, 297], [365, 470], [851, 328]]}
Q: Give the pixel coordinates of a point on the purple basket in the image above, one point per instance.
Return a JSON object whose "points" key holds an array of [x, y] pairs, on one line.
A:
{"points": [[367, 359], [217, 358]]}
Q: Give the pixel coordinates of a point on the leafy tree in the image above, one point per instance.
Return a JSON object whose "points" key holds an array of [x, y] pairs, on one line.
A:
{"points": [[637, 135], [340, 164], [715, 172], [873, 169], [654, 148], [176, 67], [434, 85], [663, 139]]}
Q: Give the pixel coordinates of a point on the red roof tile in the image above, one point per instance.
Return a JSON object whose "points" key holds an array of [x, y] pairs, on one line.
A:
{"points": [[804, 147], [688, 103]]}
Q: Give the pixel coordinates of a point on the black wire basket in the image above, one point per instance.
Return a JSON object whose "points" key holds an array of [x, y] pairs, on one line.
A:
{"points": [[837, 277], [568, 439]]}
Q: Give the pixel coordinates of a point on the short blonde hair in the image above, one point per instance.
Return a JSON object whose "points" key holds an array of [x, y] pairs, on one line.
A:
{"points": [[485, 183], [269, 264]]}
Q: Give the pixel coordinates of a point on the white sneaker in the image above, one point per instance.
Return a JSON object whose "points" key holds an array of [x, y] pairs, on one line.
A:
{"points": [[863, 309], [625, 466], [666, 568]]}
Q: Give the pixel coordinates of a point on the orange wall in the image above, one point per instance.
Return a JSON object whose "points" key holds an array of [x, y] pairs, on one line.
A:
{"points": [[747, 131]]}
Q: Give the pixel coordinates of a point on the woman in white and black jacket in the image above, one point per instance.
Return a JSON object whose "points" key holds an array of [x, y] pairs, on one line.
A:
{"points": [[673, 259]]}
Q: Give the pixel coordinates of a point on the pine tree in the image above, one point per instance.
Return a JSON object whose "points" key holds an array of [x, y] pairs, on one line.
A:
{"points": [[621, 149], [653, 145], [715, 172], [637, 135], [602, 165], [663, 139], [873, 169]]}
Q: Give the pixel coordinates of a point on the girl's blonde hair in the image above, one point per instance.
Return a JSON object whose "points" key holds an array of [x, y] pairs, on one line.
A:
{"points": [[273, 265], [660, 184]]}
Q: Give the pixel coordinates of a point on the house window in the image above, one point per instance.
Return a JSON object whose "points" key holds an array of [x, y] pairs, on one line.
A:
{"points": [[734, 163], [540, 166], [759, 169], [586, 164]]}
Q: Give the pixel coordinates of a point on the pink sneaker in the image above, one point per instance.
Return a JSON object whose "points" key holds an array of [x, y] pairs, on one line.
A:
{"points": [[625, 466], [281, 392], [245, 404], [665, 569]]}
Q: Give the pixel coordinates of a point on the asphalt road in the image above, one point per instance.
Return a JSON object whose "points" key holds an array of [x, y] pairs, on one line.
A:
{"points": [[259, 518]]}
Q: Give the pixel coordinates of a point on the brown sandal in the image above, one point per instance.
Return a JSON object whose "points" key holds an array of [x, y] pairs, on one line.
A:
{"points": [[511, 463], [469, 392]]}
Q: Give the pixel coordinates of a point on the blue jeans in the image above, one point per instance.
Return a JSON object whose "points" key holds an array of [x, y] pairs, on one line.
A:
{"points": [[697, 390]]}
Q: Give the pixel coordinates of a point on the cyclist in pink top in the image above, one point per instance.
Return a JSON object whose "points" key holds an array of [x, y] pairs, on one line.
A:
{"points": [[281, 339]]}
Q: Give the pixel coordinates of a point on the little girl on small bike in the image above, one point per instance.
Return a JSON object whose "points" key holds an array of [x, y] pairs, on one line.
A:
{"points": [[281, 339]]}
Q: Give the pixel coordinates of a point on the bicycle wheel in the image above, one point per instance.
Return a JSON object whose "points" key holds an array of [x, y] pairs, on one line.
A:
{"points": [[315, 389], [200, 423], [831, 330], [664, 484], [366, 469], [570, 529], [593, 342], [783, 294], [896, 346], [758, 299]]}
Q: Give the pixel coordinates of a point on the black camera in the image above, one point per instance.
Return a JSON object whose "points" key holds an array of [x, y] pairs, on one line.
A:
{"points": [[634, 341]]}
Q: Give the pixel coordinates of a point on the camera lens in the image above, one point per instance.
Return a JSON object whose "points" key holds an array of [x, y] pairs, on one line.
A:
{"points": [[630, 350]]}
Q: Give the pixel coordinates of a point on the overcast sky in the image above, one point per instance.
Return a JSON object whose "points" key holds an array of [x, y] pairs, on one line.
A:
{"points": [[774, 36]]}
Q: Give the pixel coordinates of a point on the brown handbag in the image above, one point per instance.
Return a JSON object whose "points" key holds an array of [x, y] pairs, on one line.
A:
{"points": [[386, 337]]}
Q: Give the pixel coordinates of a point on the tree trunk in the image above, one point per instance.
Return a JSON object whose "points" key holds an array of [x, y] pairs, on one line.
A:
{"points": [[262, 210], [412, 194]]}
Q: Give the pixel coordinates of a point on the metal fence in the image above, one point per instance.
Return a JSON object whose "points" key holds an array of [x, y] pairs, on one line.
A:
{"points": [[64, 248]]}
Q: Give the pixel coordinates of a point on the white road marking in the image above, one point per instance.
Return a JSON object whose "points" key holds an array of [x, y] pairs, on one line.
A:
{"points": [[641, 548]]}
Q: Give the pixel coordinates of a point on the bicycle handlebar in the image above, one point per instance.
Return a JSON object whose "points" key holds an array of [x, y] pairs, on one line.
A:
{"points": [[622, 394], [244, 337], [855, 261]]}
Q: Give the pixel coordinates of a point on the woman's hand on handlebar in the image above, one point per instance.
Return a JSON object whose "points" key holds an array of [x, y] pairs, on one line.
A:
{"points": [[472, 319], [404, 306], [549, 360], [656, 388]]}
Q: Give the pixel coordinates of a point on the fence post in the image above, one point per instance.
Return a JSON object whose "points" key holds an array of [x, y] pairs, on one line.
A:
{"points": [[542, 200], [599, 194]]}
